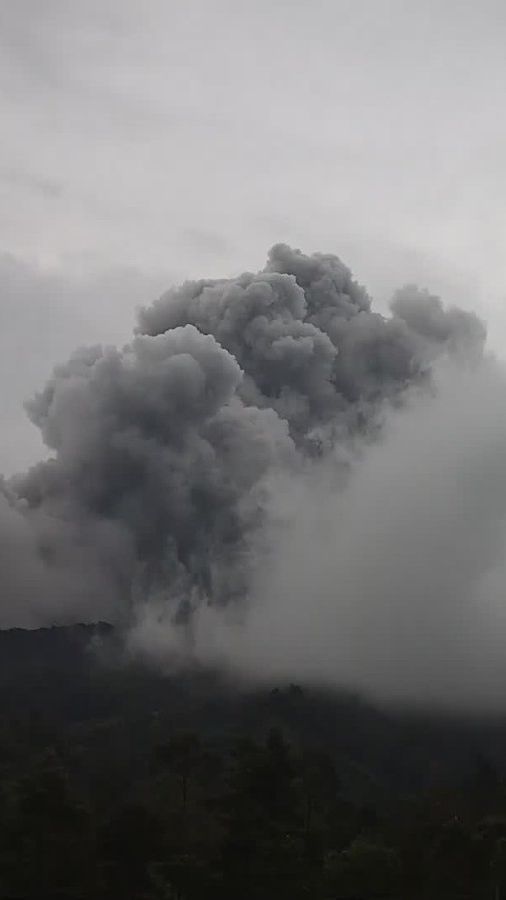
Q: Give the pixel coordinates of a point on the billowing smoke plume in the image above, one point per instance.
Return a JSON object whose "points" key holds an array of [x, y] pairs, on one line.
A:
{"points": [[154, 441], [274, 475], [308, 343]]}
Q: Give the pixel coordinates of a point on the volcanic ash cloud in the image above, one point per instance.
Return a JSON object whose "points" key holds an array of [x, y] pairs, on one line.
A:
{"points": [[274, 476]]}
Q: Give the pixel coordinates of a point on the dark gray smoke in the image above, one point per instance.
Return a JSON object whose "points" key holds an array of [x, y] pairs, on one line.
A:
{"points": [[179, 462], [154, 441], [308, 343]]}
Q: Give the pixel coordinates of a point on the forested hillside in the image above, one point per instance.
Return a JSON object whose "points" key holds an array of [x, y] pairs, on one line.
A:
{"points": [[118, 782]]}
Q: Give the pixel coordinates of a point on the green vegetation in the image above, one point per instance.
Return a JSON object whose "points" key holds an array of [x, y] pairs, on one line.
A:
{"points": [[118, 783]]}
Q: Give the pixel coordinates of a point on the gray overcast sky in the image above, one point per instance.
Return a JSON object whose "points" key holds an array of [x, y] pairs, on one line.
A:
{"points": [[143, 142]]}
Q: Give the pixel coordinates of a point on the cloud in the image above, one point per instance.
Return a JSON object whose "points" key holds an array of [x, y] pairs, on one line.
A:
{"points": [[272, 475], [44, 313], [393, 583]]}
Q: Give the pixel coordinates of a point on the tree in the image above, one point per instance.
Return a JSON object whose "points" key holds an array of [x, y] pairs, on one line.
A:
{"points": [[364, 869]]}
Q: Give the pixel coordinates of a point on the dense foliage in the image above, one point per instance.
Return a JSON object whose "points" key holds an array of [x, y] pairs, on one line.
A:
{"points": [[117, 782]]}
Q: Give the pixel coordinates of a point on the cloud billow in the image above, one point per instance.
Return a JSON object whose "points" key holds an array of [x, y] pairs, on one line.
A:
{"points": [[248, 417]]}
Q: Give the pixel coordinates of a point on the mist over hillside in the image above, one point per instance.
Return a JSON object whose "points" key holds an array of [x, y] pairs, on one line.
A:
{"points": [[117, 780]]}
